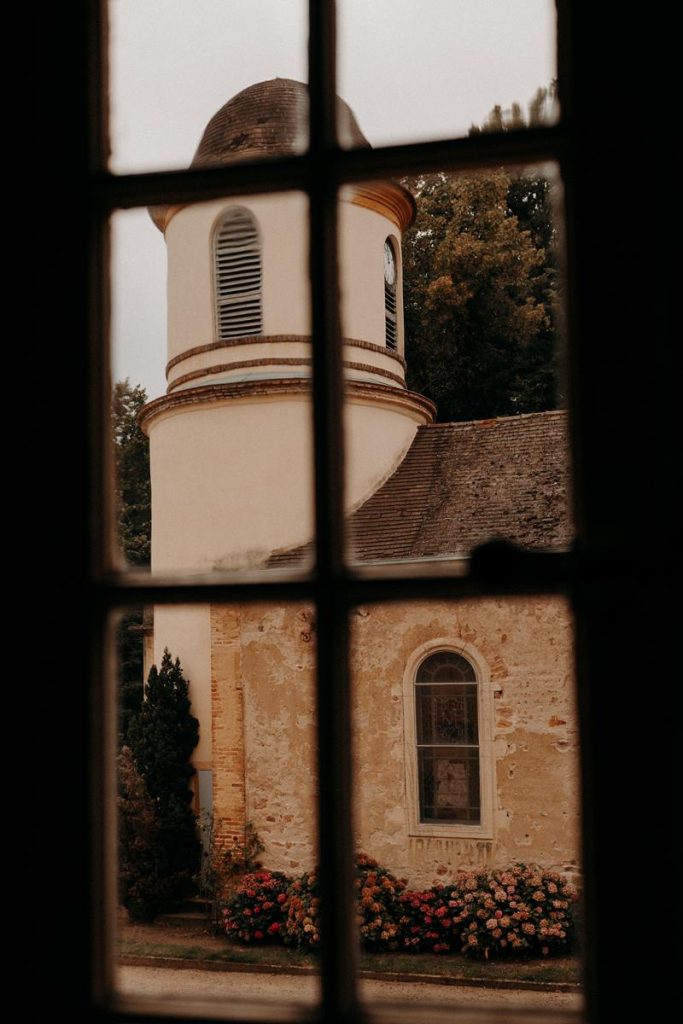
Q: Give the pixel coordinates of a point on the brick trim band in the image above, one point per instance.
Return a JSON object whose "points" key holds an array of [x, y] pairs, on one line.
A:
{"points": [[277, 339], [274, 361]]}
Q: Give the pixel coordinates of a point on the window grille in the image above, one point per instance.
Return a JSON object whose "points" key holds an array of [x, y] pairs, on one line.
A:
{"points": [[237, 262]]}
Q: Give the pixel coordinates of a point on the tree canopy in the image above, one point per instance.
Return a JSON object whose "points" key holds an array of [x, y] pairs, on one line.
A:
{"points": [[480, 283], [131, 458]]}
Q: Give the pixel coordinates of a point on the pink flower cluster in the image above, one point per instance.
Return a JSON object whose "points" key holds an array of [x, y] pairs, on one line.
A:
{"points": [[256, 911]]}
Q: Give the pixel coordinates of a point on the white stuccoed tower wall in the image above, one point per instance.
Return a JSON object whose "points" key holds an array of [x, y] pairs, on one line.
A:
{"points": [[231, 441]]}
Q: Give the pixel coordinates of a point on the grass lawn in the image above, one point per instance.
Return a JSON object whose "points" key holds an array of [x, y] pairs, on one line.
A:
{"points": [[161, 941]]}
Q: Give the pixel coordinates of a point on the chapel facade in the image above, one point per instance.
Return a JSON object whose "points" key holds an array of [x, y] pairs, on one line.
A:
{"points": [[464, 719]]}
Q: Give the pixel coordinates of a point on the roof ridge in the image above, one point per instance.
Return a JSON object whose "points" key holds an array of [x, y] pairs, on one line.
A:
{"points": [[488, 421]]}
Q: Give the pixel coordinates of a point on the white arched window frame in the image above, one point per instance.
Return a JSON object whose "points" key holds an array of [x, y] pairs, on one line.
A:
{"points": [[416, 746], [238, 275], [392, 292]]}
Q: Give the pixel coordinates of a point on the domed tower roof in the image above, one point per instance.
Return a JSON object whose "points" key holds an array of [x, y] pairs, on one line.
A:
{"points": [[270, 119], [267, 119]]}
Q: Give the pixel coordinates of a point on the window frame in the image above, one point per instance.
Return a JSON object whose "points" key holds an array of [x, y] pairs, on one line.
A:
{"points": [[613, 122]]}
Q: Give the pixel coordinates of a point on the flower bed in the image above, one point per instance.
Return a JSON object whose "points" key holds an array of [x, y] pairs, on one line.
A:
{"points": [[521, 910]]}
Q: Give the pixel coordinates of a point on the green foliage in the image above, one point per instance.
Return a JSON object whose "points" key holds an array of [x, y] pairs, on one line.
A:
{"points": [[131, 462], [133, 497], [139, 884], [224, 864], [162, 738], [130, 666], [480, 287], [540, 110]]}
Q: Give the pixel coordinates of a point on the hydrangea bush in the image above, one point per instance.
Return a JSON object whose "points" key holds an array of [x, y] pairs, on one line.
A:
{"points": [[425, 920], [256, 912], [302, 925], [522, 910], [378, 909]]}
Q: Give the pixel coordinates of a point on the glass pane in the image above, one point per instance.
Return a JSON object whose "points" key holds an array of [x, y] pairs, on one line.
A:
{"points": [[211, 360], [456, 431], [445, 667], [467, 803], [175, 66], [449, 785], [216, 833], [446, 714], [414, 71]]}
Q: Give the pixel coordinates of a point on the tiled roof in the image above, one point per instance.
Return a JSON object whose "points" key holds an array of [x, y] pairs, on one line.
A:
{"points": [[267, 119], [462, 484]]}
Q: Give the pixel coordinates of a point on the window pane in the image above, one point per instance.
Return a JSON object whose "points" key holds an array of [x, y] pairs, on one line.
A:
{"points": [[446, 714], [449, 785], [466, 798], [174, 67], [212, 366], [456, 429], [417, 71], [216, 799]]}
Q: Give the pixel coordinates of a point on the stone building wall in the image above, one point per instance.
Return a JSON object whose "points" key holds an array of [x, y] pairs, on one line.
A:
{"points": [[522, 648]]}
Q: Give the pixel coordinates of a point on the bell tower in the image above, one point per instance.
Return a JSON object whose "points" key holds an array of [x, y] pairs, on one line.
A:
{"points": [[231, 445]]}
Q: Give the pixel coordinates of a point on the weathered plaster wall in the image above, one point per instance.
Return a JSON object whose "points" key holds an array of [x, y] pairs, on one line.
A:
{"points": [[527, 645], [263, 677], [184, 629], [264, 699]]}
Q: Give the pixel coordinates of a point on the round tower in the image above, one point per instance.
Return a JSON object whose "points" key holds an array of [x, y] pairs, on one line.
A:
{"points": [[230, 442], [231, 446]]}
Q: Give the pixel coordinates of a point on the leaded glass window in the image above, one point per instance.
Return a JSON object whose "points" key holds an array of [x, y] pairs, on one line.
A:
{"points": [[447, 729]]}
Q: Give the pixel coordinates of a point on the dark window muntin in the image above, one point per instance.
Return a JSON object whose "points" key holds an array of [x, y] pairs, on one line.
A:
{"points": [[447, 739]]}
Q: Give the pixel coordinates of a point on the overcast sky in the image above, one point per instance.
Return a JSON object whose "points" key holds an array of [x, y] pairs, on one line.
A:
{"points": [[410, 70]]}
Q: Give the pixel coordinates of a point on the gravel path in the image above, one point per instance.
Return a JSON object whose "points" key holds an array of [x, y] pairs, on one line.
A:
{"points": [[234, 986]]}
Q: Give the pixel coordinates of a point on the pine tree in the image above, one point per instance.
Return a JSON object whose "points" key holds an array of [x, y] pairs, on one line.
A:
{"points": [[162, 738], [140, 888]]}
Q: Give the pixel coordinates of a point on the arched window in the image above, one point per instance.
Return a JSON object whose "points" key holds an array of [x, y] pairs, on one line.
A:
{"points": [[447, 735], [390, 277], [237, 262]]}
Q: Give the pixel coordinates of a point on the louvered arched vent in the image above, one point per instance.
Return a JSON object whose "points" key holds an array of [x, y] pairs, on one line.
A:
{"points": [[237, 259]]}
